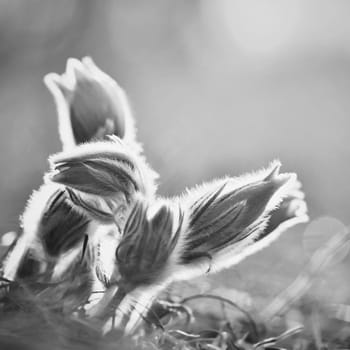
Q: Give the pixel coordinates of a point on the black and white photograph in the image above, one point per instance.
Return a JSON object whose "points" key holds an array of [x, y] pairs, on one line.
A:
{"points": [[174, 175]]}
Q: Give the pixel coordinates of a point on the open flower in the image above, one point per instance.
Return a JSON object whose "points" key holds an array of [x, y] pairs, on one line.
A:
{"points": [[90, 104]]}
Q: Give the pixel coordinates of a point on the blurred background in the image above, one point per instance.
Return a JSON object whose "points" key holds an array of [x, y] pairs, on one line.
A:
{"points": [[217, 87]]}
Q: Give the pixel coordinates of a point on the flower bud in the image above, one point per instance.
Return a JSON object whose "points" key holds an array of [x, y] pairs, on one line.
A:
{"points": [[210, 228], [90, 104], [102, 177], [232, 218], [147, 245]]}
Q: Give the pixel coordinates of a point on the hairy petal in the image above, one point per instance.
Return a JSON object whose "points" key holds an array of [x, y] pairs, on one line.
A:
{"points": [[227, 220], [103, 168], [145, 262], [103, 178], [147, 244], [90, 104], [50, 229]]}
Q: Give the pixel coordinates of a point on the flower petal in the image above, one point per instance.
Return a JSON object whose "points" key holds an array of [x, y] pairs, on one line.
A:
{"points": [[90, 104], [103, 177], [227, 220]]}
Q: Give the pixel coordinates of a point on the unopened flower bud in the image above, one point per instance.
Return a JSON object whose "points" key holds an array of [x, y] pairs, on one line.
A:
{"points": [[91, 105]]}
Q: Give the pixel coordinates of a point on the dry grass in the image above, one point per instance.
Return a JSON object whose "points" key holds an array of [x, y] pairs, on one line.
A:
{"points": [[37, 316]]}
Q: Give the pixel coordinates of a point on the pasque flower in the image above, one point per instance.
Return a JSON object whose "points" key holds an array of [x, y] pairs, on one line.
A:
{"points": [[101, 177], [101, 187], [90, 106], [211, 227]]}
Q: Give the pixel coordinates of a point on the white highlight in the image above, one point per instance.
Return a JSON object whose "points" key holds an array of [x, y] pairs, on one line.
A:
{"points": [[64, 85], [30, 223], [8, 238]]}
